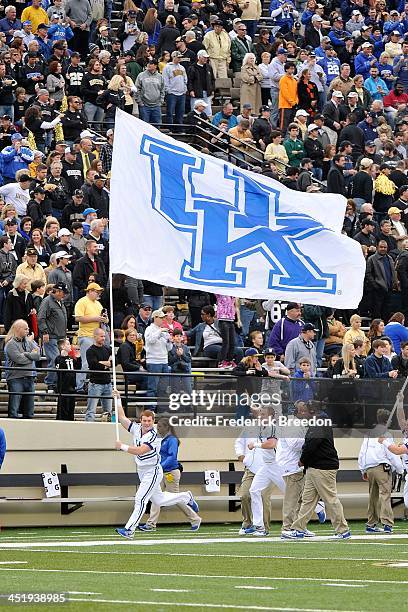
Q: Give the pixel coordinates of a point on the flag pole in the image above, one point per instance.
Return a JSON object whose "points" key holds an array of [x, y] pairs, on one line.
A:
{"points": [[396, 404], [115, 399]]}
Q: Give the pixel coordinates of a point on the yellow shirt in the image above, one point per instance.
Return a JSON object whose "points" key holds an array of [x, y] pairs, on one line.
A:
{"points": [[87, 308], [357, 334], [36, 273], [35, 15]]}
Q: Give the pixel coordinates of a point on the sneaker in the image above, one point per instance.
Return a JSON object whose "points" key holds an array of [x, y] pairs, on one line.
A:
{"points": [[125, 533], [309, 534], [249, 530], [242, 531], [373, 529], [229, 365], [196, 526], [233, 364], [223, 364], [146, 527], [292, 534], [260, 532], [387, 529], [341, 536], [51, 390], [192, 503]]}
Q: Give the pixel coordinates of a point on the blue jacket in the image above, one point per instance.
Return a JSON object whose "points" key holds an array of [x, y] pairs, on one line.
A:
{"points": [[377, 367], [400, 70], [6, 25], [168, 453], [337, 37], [371, 85], [362, 64], [370, 133], [197, 334], [232, 120], [3, 446], [331, 67], [13, 161], [390, 26], [58, 32], [397, 333], [44, 49], [302, 389]]}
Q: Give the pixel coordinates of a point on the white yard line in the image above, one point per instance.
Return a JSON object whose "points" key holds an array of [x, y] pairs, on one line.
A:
{"points": [[351, 586], [200, 576], [192, 540], [171, 590], [256, 588], [13, 562], [205, 605], [82, 593]]}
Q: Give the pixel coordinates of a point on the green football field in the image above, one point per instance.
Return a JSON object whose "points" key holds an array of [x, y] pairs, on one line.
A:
{"points": [[213, 569]]}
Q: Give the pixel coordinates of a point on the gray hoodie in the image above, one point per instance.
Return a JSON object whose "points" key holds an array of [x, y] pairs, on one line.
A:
{"points": [[150, 89], [79, 11], [21, 354]]}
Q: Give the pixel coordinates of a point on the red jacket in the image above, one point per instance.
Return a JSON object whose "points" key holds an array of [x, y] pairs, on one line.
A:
{"points": [[393, 100]]}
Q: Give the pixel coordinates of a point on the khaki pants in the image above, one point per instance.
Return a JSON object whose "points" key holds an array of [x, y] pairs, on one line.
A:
{"points": [[245, 496], [292, 498], [379, 500], [219, 67], [321, 484], [172, 487]]}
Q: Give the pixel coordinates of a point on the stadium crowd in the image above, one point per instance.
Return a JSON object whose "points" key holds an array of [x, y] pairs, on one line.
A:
{"points": [[322, 108]]}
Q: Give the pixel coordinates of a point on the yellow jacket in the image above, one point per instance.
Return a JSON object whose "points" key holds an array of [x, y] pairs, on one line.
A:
{"points": [[36, 273], [354, 334], [288, 96], [218, 48], [35, 15]]}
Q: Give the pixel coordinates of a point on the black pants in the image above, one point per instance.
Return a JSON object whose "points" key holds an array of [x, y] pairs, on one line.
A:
{"points": [[80, 42], [66, 408], [227, 332], [380, 304], [265, 95], [195, 315]]}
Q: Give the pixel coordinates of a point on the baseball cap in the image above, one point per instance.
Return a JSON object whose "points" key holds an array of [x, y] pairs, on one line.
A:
{"points": [[27, 22], [55, 16], [316, 18], [234, 21], [312, 54], [79, 193], [367, 222], [202, 53], [309, 327], [369, 143], [88, 211], [247, 105], [366, 45], [301, 113], [312, 127], [42, 26], [37, 189], [94, 287], [265, 108], [292, 305], [355, 12], [146, 306], [12, 221], [394, 210], [269, 351], [158, 313], [337, 94], [71, 150], [395, 33], [366, 162], [282, 50], [252, 352], [200, 103], [176, 54], [153, 61], [31, 252], [16, 136], [132, 13], [352, 94], [64, 232], [338, 18], [218, 22], [394, 12], [100, 177], [18, 34], [61, 286], [61, 254]]}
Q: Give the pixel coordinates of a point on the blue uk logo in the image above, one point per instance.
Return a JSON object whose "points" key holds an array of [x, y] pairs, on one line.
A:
{"points": [[226, 230]]}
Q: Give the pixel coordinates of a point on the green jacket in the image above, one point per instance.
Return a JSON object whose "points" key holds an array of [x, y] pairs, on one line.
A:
{"points": [[291, 146], [238, 52], [133, 69]]}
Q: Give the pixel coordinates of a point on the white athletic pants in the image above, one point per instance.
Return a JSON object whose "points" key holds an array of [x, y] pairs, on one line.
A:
{"points": [[150, 489], [269, 472], [406, 491]]}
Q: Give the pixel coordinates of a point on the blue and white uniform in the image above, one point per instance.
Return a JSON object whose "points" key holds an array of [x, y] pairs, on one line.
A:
{"points": [[405, 464], [150, 475]]}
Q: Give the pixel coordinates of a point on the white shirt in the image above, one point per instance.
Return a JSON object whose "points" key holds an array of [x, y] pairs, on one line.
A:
{"points": [[372, 454], [210, 336], [289, 450], [150, 438], [157, 344], [19, 198], [253, 459]]}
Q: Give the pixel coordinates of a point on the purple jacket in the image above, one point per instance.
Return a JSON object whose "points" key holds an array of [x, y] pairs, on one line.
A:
{"points": [[283, 332]]}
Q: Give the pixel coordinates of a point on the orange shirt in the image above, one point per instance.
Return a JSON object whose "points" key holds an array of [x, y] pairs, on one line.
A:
{"points": [[288, 96]]}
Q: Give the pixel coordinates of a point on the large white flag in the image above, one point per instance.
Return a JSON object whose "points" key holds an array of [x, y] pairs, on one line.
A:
{"points": [[181, 218]]}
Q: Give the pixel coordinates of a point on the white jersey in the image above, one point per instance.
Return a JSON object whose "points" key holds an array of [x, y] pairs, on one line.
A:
{"points": [[152, 457], [405, 457], [266, 433]]}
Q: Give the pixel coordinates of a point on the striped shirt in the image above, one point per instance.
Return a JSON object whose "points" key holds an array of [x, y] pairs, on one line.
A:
{"points": [[152, 457]]}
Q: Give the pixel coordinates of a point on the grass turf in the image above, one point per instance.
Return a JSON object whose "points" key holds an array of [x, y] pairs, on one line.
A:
{"points": [[166, 571]]}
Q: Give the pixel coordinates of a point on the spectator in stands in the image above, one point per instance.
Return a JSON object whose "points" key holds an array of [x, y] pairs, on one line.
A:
{"points": [[169, 321], [157, 346], [62, 274], [99, 360], [355, 332], [144, 317], [52, 325], [18, 243], [150, 93], [314, 151], [335, 177], [228, 312], [31, 269], [381, 280], [21, 353], [89, 265], [201, 82], [89, 314], [334, 341], [251, 77], [286, 329], [302, 346], [8, 266], [248, 373], [363, 184], [240, 47], [378, 366], [132, 357], [175, 86], [400, 362], [218, 46], [288, 96], [396, 331], [180, 363], [227, 113], [15, 157], [277, 71]]}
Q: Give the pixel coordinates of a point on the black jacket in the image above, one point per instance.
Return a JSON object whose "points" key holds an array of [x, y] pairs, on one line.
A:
{"points": [[73, 175], [167, 39], [335, 181], [314, 150], [18, 306], [126, 357], [261, 130], [99, 199], [331, 115], [91, 85], [355, 135], [60, 197], [312, 37], [38, 211], [362, 186], [84, 269], [94, 355], [197, 77], [70, 214], [73, 123], [318, 450], [400, 364]]}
